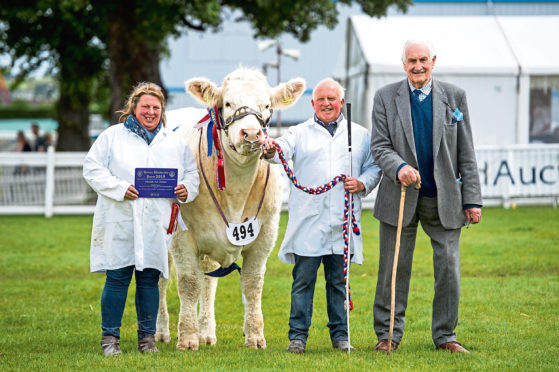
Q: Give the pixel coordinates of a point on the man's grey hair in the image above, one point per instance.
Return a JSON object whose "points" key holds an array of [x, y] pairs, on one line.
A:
{"points": [[329, 80], [427, 43]]}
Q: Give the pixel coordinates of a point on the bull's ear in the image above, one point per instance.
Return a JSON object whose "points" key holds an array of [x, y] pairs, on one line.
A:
{"points": [[204, 91], [286, 94]]}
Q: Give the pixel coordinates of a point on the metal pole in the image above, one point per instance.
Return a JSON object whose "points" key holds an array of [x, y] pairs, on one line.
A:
{"points": [[350, 226]]}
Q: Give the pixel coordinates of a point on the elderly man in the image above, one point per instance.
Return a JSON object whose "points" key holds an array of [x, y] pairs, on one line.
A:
{"points": [[421, 128], [318, 148]]}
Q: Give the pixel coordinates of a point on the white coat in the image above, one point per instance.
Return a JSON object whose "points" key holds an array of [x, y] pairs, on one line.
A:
{"points": [[316, 221], [133, 232]]}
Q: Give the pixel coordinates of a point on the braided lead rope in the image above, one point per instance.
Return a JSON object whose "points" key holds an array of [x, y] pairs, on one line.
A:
{"points": [[320, 190]]}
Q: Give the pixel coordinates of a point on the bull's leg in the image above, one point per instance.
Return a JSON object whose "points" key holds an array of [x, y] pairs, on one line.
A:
{"points": [[252, 280], [162, 333], [206, 318], [189, 284]]}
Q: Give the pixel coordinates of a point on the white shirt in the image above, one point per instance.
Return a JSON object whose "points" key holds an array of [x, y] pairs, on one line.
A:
{"points": [[424, 92], [315, 221], [133, 232]]}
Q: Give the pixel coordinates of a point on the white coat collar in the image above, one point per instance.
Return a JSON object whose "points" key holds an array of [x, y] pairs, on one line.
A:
{"points": [[342, 127]]}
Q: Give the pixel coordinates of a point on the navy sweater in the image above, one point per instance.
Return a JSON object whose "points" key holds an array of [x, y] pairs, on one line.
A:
{"points": [[422, 118]]}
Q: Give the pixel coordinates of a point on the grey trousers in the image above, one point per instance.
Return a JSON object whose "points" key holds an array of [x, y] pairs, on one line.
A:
{"points": [[446, 261]]}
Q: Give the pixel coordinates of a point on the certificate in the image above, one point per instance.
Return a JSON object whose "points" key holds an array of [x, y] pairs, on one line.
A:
{"points": [[156, 182]]}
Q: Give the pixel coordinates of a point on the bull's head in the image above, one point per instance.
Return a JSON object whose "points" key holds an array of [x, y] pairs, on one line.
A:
{"points": [[246, 102]]}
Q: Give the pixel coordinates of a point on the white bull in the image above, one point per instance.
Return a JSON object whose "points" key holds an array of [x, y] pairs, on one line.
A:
{"points": [[249, 191]]}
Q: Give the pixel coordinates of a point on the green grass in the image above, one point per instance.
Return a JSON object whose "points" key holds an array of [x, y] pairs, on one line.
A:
{"points": [[50, 315]]}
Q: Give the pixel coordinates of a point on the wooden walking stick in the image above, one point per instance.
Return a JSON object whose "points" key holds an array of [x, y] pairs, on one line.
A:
{"points": [[395, 264]]}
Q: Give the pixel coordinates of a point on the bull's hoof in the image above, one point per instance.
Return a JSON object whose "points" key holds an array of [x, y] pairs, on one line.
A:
{"points": [[165, 337], [188, 345], [208, 340], [256, 344]]}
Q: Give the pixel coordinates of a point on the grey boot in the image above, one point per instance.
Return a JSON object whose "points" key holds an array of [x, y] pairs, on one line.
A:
{"points": [[110, 345], [343, 345], [296, 347], [147, 344]]}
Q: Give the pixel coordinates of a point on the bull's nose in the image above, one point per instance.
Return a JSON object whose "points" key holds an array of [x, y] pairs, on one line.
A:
{"points": [[251, 135]]}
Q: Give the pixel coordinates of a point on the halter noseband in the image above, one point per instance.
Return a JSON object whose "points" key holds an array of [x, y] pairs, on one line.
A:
{"points": [[243, 111]]}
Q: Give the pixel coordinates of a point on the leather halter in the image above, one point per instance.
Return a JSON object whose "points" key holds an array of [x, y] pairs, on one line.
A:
{"points": [[243, 111]]}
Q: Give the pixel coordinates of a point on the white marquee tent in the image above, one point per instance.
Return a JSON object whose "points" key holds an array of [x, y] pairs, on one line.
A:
{"points": [[498, 60]]}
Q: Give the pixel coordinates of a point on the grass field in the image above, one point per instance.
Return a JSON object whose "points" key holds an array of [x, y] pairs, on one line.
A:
{"points": [[509, 311]]}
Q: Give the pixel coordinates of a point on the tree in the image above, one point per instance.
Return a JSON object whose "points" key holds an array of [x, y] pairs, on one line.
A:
{"points": [[141, 32], [67, 36], [136, 37], [299, 18], [78, 37]]}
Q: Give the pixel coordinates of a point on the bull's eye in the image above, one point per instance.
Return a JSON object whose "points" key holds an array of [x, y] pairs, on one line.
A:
{"points": [[267, 107], [227, 104]]}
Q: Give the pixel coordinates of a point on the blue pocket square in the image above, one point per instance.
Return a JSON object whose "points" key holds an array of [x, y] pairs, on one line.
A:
{"points": [[457, 116]]}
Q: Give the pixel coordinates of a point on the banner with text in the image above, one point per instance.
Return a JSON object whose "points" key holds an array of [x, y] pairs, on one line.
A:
{"points": [[519, 171]]}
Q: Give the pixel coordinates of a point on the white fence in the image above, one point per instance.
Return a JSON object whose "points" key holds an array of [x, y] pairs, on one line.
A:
{"points": [[44, 183], [51, 183]]}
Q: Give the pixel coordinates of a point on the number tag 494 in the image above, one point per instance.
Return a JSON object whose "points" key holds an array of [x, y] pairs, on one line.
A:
{"points": [[243, 233]]}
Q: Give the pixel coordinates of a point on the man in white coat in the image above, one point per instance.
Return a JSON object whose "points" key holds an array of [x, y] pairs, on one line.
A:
{"points": [[319, 151]]}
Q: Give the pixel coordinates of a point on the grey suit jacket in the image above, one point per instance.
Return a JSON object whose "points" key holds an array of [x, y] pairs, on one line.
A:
{"points": [[455, 166]]}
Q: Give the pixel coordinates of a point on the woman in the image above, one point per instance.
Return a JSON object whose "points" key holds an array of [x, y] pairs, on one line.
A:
{"points": [[22, 145], [130, 233]]}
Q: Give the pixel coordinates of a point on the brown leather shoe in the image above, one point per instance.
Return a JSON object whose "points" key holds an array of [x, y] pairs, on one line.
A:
{"points": [[453, 347], [147, 344], [110, 345], [382, 345]]}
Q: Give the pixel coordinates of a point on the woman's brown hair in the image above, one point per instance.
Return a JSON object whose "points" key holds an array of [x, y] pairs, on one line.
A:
{"points": [[138, 91]]}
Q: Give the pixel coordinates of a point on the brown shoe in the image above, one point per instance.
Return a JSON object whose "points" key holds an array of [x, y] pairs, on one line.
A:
{"points": [[383, 346], [453, 347], [147, 344], [110, 345]]}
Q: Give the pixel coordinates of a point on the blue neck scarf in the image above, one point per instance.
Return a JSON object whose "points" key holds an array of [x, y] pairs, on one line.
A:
{"points": [[134, 126]]}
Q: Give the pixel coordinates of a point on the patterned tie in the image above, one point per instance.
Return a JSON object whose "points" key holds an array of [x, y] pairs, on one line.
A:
{"points": [[417, 93], [332, 128]]}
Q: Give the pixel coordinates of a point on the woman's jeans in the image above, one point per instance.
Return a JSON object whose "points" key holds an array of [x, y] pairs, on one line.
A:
{"points": [[113, 300], [302, 293]]}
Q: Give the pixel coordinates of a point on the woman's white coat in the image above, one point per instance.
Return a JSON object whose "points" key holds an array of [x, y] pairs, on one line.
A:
{"points": [[133, 232]]}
